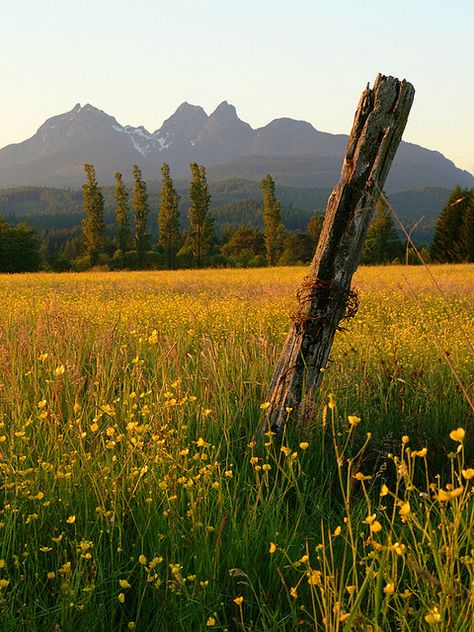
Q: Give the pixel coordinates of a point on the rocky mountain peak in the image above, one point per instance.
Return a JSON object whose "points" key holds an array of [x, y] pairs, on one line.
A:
{"points": [[185, 123], [225, 110]]}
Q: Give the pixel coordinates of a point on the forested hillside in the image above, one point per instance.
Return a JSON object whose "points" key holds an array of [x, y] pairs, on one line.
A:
{"points": [[233, 202]]}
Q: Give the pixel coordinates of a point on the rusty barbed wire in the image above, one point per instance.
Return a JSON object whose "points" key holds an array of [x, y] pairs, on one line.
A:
{"points": [[328, 297]]}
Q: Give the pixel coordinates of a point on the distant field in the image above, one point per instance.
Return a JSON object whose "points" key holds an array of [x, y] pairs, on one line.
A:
{"points": [[135, 497]]}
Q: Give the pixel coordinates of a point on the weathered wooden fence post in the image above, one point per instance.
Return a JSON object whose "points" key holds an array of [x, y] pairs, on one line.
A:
{"points": [[325, 297]]}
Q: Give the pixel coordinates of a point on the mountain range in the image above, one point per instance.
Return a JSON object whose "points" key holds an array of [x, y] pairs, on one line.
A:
{"points": [[294, 152]]}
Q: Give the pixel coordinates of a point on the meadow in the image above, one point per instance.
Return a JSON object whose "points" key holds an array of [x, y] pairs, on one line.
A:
{"points": [[136, 494]]}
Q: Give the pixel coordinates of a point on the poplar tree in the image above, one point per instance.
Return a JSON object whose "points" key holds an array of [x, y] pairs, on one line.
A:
{"points": [[93, 225], [202, 223], [273, 229], [122, 212], [169, 234], [142, 210]]}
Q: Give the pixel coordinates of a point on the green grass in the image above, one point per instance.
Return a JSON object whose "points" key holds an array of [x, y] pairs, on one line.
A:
{"points": [[136, 496]]}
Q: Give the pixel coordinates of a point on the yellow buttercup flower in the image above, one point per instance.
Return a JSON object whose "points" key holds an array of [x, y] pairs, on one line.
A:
{"points": [[446, 495], [314, 578], [353, 420], [457, 435], [273, 547], [405, 509], [123, 583], [239, 600], [468, 474], [332, 402], [434, 616], [361, 477]]}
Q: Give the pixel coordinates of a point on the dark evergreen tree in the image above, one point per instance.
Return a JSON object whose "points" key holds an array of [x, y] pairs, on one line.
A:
{"points": [[453, 235], [202, 235], [468, 229], [273, 229], [314, 227], [122, 215], [19, 248], [142, 210], [243, 238], [297, 248], [382, 244], [93, 224], [169, 233]]}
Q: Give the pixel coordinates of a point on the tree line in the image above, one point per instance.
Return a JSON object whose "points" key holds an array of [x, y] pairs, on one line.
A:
{"points": [[130, 243]]}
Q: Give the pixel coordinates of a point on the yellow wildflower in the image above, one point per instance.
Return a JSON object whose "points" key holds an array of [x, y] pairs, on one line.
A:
{"points": [[314, 578], [239, 600], [361, 477], [353, 420], [457, 435], [123, 583], [434, 616], [272, 548], [405, 509], [369, 519], [445, 496]]}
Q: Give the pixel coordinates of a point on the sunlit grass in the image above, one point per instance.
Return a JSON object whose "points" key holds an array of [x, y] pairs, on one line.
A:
{"points": [[134, 495]]}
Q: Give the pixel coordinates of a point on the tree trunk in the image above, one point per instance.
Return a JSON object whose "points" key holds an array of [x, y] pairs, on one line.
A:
{"points": [[325, 298]]}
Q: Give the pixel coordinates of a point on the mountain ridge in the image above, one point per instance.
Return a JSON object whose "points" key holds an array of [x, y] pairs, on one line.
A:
{"points": [[305, 156]]}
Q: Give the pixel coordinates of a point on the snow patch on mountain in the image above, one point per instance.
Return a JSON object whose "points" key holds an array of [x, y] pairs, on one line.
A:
{"points": [[140, 138]]}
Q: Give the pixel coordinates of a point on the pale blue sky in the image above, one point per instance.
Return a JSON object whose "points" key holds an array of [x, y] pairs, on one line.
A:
{"points": [[307, 59]]}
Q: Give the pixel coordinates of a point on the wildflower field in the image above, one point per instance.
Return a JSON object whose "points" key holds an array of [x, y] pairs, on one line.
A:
{"points": [[135, 494]]}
